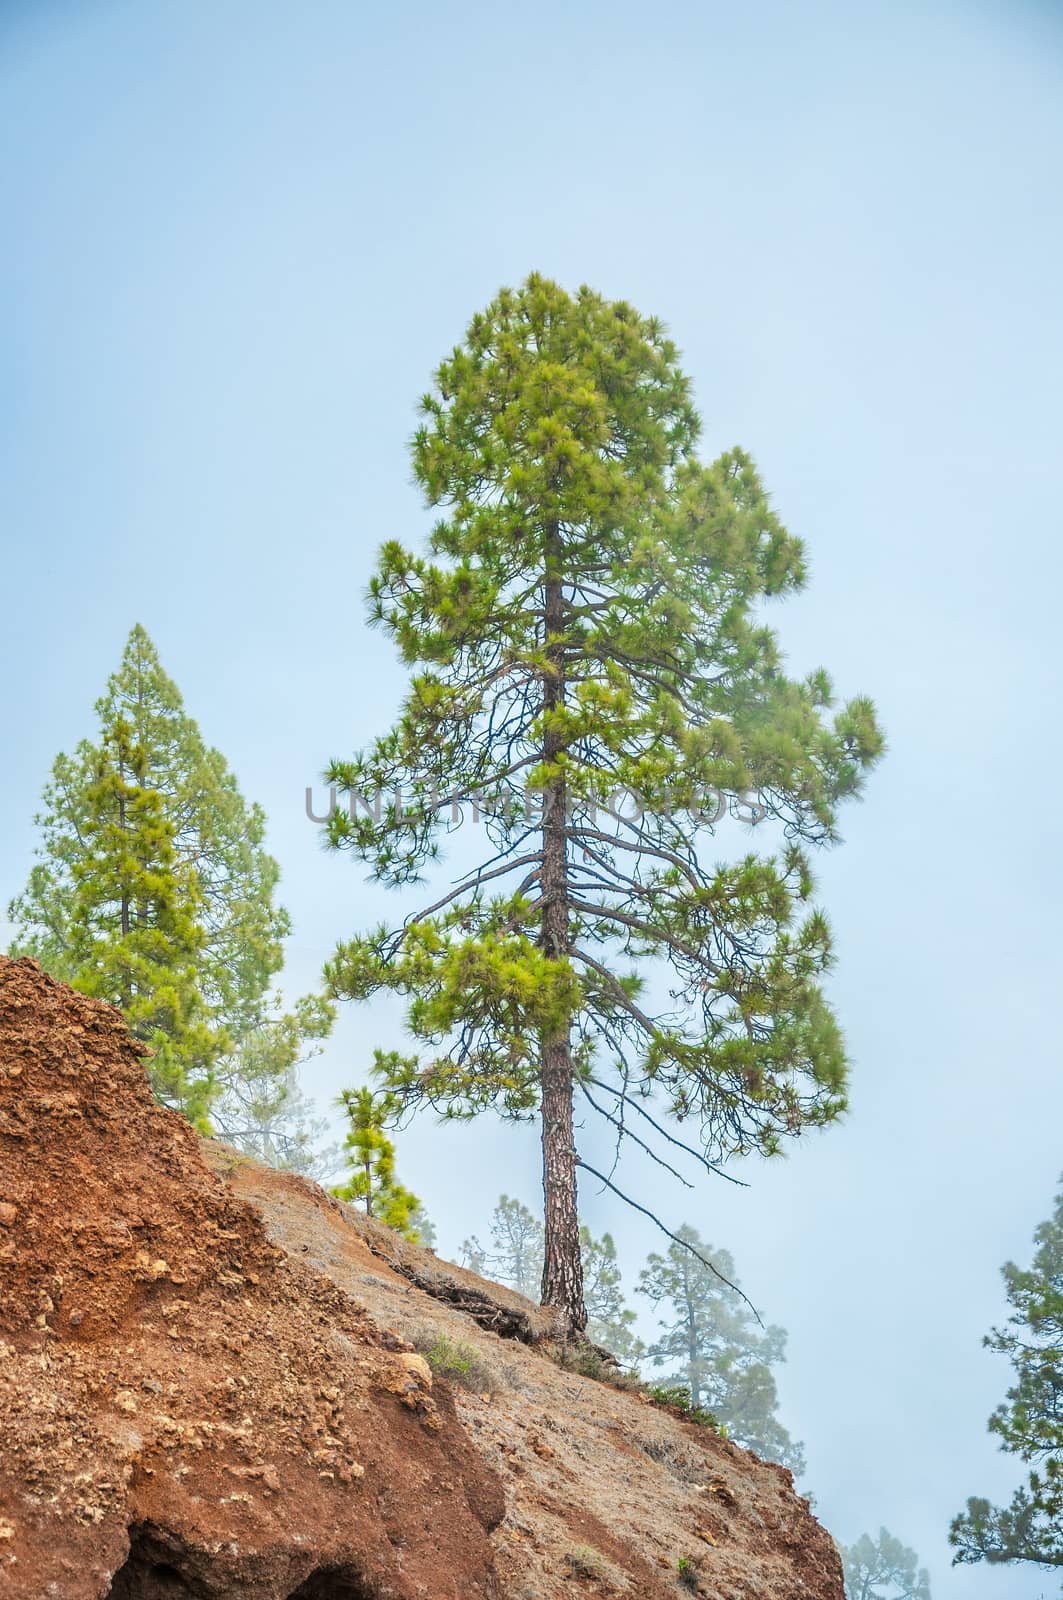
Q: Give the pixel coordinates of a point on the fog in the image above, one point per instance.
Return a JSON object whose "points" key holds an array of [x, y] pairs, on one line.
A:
{"points": [[237, 241]]}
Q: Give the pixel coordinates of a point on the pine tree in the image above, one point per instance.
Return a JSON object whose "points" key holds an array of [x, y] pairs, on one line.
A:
{"points": [[712, 1347], [1030, 1422], [883, 1569], [371, 1157], [515, 1257], [153, 890], [260, 1107], [420, 1227], [135, 932], [610, 1322], [590, 680], [515, 1254]]}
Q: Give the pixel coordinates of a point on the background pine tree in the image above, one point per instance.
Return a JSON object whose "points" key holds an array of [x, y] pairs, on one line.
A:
{"points": [[711, 1345], [610, 1321], [153, 889], [515, 1253], [1030, 1422], [515, 1256], [259, 1105], [883, 1569]]}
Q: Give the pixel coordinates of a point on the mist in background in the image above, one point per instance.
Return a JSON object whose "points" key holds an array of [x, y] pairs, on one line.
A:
{"points": [[238, 239]]}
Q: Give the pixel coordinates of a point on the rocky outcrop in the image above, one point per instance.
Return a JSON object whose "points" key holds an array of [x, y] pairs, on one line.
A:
{"points": [[606, 1494], [184, 1409], [211, 1385]]}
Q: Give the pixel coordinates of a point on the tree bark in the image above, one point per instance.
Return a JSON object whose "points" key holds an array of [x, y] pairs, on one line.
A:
{"points": [[124, 995], [562, 1287]]}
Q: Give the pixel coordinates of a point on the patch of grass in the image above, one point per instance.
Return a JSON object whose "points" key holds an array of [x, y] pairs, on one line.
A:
{"points": [[628, 1380], [579, 1355], [688, 1570], [584, 1562], [674, 1397], [591, 1361], [459, 1363]]}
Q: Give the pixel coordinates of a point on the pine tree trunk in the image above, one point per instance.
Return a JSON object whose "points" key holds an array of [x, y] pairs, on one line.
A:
{"points": [[563, 1267], [125, 896], [562, 1287], [124, 995]]}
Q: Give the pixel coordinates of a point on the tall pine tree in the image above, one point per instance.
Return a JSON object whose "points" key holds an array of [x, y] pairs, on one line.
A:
{"points": [[583, 631], [711, 1345], [153, 890]]}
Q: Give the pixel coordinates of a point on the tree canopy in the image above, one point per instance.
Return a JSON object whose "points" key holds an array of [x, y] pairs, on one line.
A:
{"points": [[583, 628]]}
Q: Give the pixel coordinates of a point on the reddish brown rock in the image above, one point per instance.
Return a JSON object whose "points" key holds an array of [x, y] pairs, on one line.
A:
{"points": [[183, 1410]]}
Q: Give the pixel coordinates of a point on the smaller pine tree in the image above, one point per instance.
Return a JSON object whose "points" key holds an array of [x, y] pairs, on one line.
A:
{"points": [[883, 1569], [1030, 1421], [712, 1347], [371, 1156], [610, 1322]]}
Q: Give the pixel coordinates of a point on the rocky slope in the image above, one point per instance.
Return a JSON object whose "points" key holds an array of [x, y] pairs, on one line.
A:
{"points": [[183, 1409], [209, 1386]]}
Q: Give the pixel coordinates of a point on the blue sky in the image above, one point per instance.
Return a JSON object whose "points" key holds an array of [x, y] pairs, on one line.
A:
{"points": [[238, 238]]}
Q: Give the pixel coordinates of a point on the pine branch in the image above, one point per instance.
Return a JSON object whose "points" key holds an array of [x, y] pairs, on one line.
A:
{"points": [[709, 1166], [626, 1133], [474, 882], [675, 1237]]}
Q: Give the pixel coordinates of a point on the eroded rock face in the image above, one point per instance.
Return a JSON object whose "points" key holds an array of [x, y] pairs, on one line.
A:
{"points": [[185, 1410]]}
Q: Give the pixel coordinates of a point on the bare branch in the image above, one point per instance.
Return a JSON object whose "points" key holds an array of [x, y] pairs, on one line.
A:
{"points": [[473, 882], [680, 1144], [647, 929], [673, 1236], [626, 1133], [619, 993]]}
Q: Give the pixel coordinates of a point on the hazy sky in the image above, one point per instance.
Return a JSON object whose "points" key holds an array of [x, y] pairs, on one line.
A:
{"points": [[236, 240]]}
